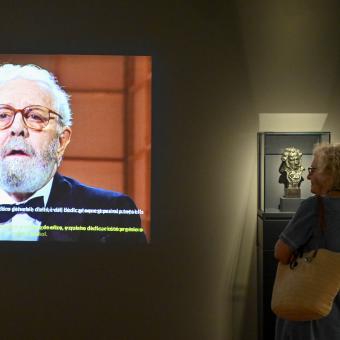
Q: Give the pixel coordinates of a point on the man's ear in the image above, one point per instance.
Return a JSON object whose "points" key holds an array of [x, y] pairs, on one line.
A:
{"points": [[64, 139]]}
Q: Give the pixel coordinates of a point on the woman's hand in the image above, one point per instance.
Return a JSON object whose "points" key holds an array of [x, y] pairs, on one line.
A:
{"points": [[283, 252]]}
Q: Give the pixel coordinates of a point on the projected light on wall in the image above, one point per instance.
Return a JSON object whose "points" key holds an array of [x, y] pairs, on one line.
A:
{"points": [[292, 122], [107, 148]]}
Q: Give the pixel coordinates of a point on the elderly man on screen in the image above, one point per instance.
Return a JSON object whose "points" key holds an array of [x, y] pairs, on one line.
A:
{"points": [[37, 203]]}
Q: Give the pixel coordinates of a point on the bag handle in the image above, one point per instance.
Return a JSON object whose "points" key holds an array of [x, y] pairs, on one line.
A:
{"points": [[322, 221]]}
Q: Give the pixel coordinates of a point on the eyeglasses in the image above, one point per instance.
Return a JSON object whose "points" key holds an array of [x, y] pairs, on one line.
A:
{"points": [[311, 170], [35, 117]]}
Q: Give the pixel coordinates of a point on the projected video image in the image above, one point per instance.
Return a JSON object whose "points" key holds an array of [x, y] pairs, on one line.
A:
{"points": [[75, 148]]}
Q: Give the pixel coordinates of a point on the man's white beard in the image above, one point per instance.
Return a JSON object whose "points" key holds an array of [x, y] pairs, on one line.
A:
{"points": [[27, 174]]}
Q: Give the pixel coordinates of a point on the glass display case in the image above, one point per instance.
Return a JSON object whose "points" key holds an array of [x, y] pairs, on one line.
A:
{"points": [[271, 145]]}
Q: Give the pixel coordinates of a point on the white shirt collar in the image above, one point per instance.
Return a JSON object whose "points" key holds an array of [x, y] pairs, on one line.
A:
{"points": [[44, 192]]}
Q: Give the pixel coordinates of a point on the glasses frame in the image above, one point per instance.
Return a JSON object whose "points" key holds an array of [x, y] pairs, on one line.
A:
{"points": [[311, 169], [24, 115]]}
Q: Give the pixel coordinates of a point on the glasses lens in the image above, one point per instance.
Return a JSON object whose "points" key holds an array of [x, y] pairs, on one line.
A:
{"points": [[6, 115], [36, 117]]}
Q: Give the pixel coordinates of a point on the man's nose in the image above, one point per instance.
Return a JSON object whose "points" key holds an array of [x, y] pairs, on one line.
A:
{"points": [[18, 127]]}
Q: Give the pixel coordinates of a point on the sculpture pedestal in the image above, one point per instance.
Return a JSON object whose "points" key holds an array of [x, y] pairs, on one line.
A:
{"points": [[292, 193], [289, 204]]}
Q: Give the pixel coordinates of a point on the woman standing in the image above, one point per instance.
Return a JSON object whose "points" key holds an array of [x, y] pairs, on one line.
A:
{"points": [[324, 175]]}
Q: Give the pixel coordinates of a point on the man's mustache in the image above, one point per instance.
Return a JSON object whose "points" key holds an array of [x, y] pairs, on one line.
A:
{"points": [[17, 144]]}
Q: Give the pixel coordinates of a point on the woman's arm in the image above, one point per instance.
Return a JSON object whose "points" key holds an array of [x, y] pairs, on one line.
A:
{"points": [[283, 252]]}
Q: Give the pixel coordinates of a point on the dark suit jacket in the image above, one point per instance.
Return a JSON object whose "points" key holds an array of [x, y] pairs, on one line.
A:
{"points": [[69, 193]]}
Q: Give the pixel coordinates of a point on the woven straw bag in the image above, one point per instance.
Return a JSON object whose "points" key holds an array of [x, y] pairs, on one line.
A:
{"points": [[306, 290]]}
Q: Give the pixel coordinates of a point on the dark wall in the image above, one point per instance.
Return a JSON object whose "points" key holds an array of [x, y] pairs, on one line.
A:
{"points": [[180, 286]]}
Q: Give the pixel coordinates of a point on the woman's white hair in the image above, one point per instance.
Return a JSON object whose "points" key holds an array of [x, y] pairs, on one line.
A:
{"points": [[33, 72], [328, 161]]}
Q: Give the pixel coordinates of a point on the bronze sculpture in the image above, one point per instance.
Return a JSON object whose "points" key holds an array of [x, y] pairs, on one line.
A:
{"points": [[291, 172]]}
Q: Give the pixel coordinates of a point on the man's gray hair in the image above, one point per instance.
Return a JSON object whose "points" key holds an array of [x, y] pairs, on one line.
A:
{"points": [[32, 72]]}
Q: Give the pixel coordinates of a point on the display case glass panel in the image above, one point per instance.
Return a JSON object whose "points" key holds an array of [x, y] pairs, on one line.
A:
{"points": [[270, 148]]}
